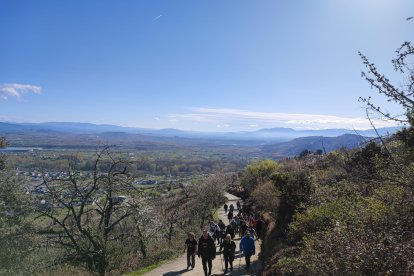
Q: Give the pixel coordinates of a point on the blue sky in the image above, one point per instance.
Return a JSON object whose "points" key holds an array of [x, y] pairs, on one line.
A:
{"points": [[196, 65]]}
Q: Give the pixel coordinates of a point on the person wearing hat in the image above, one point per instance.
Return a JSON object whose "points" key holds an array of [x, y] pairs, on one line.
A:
{"points": [[191, 246]]}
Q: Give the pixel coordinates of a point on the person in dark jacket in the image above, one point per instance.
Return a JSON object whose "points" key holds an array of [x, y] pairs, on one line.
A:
{"points": [[253, 233], [260, 228], [242, 228], [221, 225], [230, 231], [248, 248], [191, 246], [222, 235], [237, 222], [207, 251], [228, 253], [230, 215]]}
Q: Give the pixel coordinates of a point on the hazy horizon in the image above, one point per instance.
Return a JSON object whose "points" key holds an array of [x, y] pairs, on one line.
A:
{"points": [[202, 131]]}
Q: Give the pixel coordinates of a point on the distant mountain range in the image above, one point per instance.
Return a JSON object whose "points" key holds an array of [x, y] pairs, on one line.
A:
{"points": [[268, 134], [315, 143], [274, 142]]}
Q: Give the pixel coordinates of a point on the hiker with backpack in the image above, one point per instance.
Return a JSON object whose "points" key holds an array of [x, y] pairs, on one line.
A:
{"points": [[247, 247], [228, 253], [191, 246], [225, 208], [206, 251], [215, 232]]}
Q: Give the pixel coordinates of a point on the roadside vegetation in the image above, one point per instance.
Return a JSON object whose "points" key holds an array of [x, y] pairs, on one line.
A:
{"points": [[345, 212]]}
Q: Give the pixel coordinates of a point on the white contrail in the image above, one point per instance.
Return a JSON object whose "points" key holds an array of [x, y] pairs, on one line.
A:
{"points": [[156, 18]]}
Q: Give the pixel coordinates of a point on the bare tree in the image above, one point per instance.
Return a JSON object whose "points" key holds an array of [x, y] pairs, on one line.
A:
{"points": [[88, 213], [175, 210], [210, 194], [146, 221], [403, 95], [190, 206]]}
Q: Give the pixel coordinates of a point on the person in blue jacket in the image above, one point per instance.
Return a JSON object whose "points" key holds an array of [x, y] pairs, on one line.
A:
{"points": [[247, 247]]}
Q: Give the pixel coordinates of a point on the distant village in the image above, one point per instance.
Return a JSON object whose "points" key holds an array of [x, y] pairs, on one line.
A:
{"points": [[34, 184]]}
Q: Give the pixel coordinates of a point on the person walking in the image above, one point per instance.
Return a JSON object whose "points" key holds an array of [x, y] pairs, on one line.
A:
{"points": [[260, 227], [215, 232], [228, 253], [230, 231], [233, 224], [222, 227], [242, 228], [191, 246], [225, 208], [230, 216], [207, 251], [222, 235], [248, 248], [252, 232], [237, 221]]}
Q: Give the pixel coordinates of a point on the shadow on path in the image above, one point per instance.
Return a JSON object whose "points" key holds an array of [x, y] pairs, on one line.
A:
{"points": [[174, 273]]}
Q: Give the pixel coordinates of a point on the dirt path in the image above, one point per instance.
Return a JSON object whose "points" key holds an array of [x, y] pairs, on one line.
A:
{"points": [[179, 265]]}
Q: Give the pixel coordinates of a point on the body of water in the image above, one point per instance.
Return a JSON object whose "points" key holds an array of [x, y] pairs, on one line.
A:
{"points": [[19, 149]]}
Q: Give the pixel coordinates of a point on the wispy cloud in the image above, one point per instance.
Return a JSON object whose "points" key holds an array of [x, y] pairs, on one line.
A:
{"points": [[236, 117], [223, 126], [156, 18], [17, 90]]}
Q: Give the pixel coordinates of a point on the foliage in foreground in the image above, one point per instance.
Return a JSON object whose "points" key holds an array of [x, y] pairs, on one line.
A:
{"points": [[348, 212]]}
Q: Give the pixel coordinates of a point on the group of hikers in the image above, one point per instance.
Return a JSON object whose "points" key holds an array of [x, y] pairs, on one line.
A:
{"points": [[247, 226]]}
